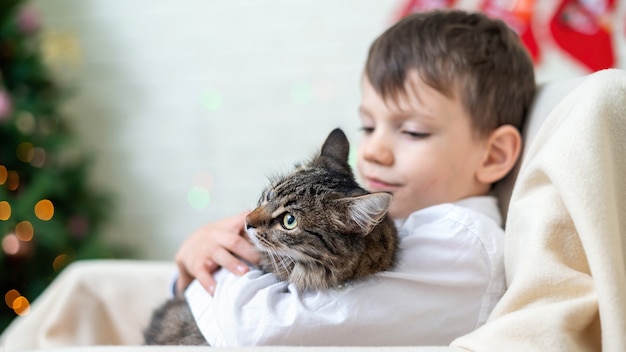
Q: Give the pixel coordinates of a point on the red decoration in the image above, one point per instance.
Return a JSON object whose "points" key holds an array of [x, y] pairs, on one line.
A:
{"points": [[583, 30], [518, 15]]}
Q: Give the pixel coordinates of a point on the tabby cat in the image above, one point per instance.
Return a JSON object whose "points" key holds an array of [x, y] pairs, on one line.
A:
{"points": [[314, 227]]}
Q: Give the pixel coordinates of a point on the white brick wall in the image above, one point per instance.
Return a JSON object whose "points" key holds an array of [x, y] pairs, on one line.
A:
{"points": [[148, 70], [285, 73]]}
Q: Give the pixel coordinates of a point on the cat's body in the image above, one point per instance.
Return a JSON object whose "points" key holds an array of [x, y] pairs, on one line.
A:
{"points": [[314, 227]]}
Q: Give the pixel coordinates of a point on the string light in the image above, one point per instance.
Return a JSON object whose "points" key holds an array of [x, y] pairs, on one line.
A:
{"points": [[17, 302], [25, 122], [21, 306], [10, 244], [59, 262], [5, 210], [13, 180], [4, 174], [39, 157], [10, 296], [25, 152], [24, 231], [44, 210]]}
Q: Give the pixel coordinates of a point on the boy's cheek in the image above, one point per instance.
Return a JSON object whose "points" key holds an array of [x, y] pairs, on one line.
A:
{"points": [[356, 166], [397, 210]]}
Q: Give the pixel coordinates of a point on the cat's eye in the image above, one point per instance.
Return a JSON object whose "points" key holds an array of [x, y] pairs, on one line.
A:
{"points": [[289, 221]]}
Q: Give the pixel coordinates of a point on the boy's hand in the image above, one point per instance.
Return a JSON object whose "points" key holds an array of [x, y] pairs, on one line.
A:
{"points": [[213, 246]]}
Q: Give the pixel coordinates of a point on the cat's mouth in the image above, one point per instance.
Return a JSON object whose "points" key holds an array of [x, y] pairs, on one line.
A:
{"points": [[259, 241], [254, 238]]}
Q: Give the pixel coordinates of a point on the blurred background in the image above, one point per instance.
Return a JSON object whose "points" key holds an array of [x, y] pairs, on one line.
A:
{"points": [[125, 125]]}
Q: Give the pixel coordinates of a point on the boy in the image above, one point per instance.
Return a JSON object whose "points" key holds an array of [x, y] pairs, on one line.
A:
{"points": [[444, 95]]}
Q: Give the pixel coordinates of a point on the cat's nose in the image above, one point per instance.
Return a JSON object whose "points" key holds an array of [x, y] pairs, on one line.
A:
{"points": [[254, 219]]}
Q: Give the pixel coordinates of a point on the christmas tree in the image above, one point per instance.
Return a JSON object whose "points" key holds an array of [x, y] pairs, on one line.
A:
{"points": [[49, 214]]}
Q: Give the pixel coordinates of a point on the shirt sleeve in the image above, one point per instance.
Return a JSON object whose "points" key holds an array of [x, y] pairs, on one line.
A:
{"points": [[435, 293]]}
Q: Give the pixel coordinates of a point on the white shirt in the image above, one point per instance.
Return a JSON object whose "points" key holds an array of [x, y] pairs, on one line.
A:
{"points": [[449, 276]]}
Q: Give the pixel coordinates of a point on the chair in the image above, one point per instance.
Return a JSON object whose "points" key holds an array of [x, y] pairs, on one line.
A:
{"points": [[564, 256]]}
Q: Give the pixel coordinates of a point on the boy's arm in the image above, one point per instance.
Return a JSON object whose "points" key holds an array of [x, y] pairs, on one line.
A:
{"points": [[432, 297]]}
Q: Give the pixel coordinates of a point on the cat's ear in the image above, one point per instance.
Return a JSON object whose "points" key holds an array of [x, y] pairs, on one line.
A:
{"points": [[335, 151], [336, 145], [366, 211]]}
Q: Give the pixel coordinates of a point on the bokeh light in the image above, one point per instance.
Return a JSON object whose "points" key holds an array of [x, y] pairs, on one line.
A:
{"points": [[10, 296], [5, 210], [4, 174], [352, 157], [25, 122], [203, 179], [24, 231], [39, 157], [198, 197], [21, 306], [44, 210], [13, 180], [59, 262], [10, 244], [212, 99], [25, 152], [17, 302], [302, 93]]}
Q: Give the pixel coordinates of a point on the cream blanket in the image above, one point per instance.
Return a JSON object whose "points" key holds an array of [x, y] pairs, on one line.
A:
{"points": [[566, 231], [565, 263]]}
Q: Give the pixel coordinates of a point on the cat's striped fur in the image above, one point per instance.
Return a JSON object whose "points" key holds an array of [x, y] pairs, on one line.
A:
{"points": [[318, 229], [315, 227]]}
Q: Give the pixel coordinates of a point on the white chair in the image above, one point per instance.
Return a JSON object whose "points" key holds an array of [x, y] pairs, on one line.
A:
{"points": [[564, 257]]}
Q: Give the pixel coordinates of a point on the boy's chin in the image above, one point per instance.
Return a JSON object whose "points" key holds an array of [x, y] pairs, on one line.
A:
{"points": [[396, 212]]}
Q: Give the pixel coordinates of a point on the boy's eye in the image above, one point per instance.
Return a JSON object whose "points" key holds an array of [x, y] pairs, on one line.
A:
{"points": [[289, 221], [367, 130], [416, 135]]}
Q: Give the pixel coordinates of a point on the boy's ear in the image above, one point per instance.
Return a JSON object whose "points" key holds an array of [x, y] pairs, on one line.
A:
{"points": [[502, 150]]}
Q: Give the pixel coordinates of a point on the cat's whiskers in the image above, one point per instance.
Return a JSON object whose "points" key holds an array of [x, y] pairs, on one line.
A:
{"points": [[289, 265]]}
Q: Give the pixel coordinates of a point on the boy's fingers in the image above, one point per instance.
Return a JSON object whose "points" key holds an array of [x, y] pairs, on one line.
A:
{"points": [[237, 222], [250, 254], [224, 258], [206, 280], [241, 247], [184, 279]]}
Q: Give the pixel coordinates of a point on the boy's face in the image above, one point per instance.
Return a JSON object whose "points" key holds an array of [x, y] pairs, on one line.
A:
{"points": [[421, 148]]}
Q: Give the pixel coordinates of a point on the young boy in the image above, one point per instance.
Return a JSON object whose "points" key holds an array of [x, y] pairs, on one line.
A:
{"points": [[444, 95]]}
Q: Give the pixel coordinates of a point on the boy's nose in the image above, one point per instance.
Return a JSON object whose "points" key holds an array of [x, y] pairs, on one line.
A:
{"points": [[377, 149]]}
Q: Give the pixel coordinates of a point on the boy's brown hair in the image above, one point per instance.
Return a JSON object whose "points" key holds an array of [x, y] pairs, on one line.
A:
{"points": [[467, 56]]}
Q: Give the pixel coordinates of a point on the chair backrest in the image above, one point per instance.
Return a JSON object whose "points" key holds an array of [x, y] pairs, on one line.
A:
{"points": [[547, 97]]}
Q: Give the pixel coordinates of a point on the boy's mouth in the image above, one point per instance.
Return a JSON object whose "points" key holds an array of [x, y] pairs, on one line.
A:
{"points": [[374, 184]]}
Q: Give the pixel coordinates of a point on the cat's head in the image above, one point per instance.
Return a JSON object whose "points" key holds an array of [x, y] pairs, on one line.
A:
{"points": [[318, 210]]}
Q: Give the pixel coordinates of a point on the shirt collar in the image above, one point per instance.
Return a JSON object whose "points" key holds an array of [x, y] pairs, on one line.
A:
{"points": [[486, 205]]}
